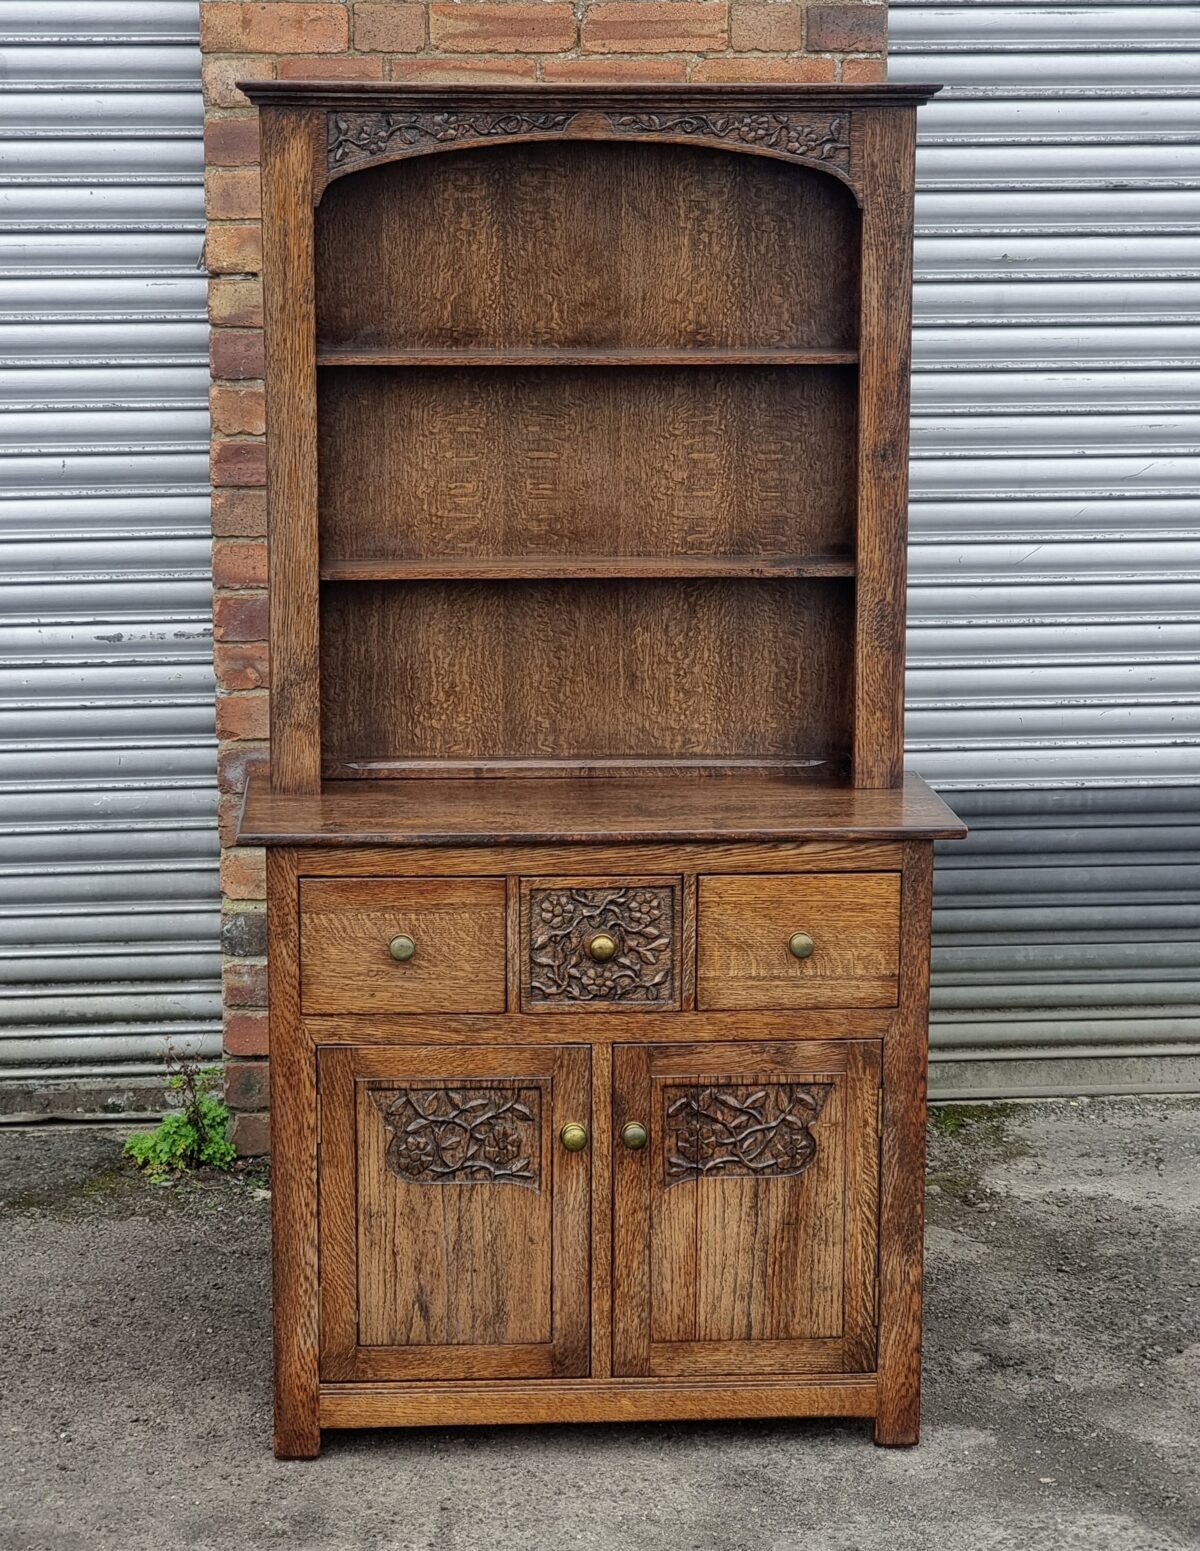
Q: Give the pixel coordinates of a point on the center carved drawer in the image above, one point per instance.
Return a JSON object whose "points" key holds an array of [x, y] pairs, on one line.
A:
{"points": [[589, 945]]}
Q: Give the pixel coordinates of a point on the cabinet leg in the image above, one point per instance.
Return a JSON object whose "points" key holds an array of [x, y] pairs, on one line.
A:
{"points": [[297, 1438], [897, 1432]]}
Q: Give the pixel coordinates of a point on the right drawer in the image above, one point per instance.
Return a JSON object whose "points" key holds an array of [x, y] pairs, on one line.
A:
{"points": [[777, 941]]}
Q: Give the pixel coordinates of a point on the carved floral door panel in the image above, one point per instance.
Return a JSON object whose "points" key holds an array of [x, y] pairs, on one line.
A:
{"points": [[745, 1229], [454, 1223]]}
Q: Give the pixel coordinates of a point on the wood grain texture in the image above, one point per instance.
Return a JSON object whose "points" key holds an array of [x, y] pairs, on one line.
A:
{"points": [[466, 670], [587, 245], [732, 814], [288, 142], [743, 958], [564, 462], [467, 1252], [457, 924], [337, 1188], [902, 1172], [619, 1026], [732, 1227], [583, 567], [589, 355], [612, 1400], [602, 1211], [294, 1177], [887, 148]]}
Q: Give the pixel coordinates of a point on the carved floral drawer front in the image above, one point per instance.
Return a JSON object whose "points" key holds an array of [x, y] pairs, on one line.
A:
{"points": [[596, 946]]}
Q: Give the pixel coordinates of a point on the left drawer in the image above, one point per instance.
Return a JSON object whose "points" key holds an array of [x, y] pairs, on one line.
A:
{"points": [[402, 945]]}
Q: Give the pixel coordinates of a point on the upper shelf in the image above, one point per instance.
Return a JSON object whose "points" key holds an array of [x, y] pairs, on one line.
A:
{"points": [[600, 355], [495, 568]]}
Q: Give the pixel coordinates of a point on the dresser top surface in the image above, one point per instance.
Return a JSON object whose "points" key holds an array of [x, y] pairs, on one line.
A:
{"points": [[593, 810], [581, 97]]}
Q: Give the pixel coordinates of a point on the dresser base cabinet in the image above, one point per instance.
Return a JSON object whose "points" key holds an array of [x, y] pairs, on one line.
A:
{"points": [[682, 1180]]}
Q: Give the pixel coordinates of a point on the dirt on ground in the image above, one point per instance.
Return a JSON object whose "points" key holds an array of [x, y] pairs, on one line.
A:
{"points": [[1062, 1377]]}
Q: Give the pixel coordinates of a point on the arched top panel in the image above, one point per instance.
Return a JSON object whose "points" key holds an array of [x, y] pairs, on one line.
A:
{"points": [[637, 244], [359, 139]]}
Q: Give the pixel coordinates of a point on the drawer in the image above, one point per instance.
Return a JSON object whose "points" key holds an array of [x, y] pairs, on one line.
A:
{"points": [[744, 957], [456, 928], [595, 945]]}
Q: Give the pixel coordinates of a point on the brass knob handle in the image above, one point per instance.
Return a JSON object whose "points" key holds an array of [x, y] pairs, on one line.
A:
{"points": [[800, 945], [402, 949], [601, 947], [574, 1136], [634, 1135]]}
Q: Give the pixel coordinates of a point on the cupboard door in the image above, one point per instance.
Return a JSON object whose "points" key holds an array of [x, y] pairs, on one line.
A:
{"points": [[453, 1220], [746, 1226]]}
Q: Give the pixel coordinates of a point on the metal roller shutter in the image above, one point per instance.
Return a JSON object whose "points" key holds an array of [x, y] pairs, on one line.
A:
{"points": [[1054, 608], [109, 912]]}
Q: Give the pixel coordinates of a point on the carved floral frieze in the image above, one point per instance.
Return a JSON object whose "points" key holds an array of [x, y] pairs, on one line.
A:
{"points": [[814, 137], [462, 1136], [740, 1130], [355, 138], [639, 918], [362, 137]]}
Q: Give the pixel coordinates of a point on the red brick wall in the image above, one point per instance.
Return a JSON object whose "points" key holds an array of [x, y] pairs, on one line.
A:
{"points": [[447, 40]]}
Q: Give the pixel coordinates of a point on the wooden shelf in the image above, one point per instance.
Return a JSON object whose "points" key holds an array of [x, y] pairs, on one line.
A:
{"points": [[697, 355], [493, 568], [616, 810]]}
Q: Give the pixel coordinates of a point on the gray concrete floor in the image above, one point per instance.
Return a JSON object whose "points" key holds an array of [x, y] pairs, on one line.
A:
{"points": [[1062, 1357]]}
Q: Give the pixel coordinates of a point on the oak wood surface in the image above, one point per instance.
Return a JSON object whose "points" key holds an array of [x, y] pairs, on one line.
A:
{"points": [[617, 1025], [375, 861], [288, 148], [746, 922], [565, 461], [902, 1171], [455, 1224], [294, 1235], [887, 151], [733, 1224], [585, 567], [457, 925], [593, 1400], [587, 245], [588, 355], [618, 668], [605, 811]]}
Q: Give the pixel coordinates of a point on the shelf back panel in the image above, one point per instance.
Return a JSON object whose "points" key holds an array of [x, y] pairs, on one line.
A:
{"points": [[611, 669], [595, 461], [587, 244]]}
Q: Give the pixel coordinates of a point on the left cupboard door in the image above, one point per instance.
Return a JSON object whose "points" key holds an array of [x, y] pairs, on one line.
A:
{"points": [[454, 1207]]}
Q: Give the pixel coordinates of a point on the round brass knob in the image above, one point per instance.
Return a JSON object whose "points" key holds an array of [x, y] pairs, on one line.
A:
{"points": [[634, 1135], [601, 947], [800, 945], [573, 1136], [402, 949]]}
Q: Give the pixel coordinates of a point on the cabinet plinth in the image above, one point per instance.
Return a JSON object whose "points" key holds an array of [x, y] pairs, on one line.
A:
{"points": [[598, 900]]}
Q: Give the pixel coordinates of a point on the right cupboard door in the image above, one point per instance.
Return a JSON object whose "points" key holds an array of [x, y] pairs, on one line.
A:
{"points": [[745, 1225]]}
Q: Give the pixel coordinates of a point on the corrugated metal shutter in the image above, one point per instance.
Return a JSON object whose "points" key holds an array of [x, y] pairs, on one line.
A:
{"points": [[109, 911], [1054, 608]]}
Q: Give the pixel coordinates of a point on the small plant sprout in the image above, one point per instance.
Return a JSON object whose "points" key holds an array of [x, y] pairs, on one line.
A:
{"points": [[191, 1136]]}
